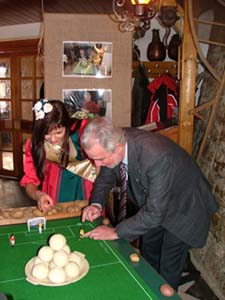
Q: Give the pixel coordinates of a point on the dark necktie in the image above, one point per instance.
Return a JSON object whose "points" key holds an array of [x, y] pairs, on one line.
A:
{"points": [[123, 193]]}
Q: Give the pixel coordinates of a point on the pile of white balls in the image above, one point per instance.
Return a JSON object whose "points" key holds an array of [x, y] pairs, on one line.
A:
{"points": [[56, 263]]}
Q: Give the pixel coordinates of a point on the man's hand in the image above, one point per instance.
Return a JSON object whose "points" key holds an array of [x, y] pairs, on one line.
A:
{"points": [[90, 213], [102, 233]]}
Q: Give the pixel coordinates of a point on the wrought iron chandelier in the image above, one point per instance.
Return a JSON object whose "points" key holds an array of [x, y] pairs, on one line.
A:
{"points": [[137, 14]]}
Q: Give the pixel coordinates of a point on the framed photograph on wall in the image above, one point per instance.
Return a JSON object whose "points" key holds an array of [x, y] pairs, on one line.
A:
{"points": [[87, 59], [95, 102]]}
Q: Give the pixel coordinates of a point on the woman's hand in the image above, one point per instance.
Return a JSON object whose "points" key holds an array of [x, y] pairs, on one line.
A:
{"points": [[44, 201]]}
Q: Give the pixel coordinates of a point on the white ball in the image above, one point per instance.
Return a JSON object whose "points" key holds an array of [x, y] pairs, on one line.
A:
{"points": [[60, 258], [37, 260], [45, 253], [40, 271], [72, 269], [75, 258], [66, 248], [51, 265], [57, 241], [57, 275]]}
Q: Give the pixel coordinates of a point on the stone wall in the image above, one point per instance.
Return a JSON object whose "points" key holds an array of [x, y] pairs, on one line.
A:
{"points": [[210, 260]]}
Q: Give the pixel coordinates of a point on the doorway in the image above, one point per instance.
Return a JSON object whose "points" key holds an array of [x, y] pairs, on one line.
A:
{"points": [[21, 83]]}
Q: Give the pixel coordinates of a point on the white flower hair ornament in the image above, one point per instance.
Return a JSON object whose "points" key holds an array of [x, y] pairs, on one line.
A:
{"points": [[41, 108]]}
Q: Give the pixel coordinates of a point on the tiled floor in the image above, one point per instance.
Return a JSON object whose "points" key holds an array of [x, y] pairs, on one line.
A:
{"points": [[194, 288]]}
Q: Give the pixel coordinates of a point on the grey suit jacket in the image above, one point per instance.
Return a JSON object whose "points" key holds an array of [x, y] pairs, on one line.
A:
{"points": [[167, 187]]}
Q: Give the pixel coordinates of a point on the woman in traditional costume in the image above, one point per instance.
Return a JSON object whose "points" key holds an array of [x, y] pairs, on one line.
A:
{"points": [[55, 167]]}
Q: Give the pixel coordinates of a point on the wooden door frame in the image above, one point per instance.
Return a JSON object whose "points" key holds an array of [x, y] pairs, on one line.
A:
{"points": [[14, 49]]}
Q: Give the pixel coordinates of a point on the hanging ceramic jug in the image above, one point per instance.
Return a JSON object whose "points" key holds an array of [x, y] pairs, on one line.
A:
{"points": [[156, 50], [173, 47]]}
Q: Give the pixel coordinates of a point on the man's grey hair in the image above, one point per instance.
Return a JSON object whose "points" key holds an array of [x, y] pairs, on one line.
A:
{"points": [[101, 130]]}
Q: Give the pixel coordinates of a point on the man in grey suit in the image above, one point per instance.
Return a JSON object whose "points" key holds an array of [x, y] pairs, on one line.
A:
{"points": [[172, 197]]}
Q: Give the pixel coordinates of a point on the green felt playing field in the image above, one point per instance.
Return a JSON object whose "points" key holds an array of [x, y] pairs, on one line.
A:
{"points": [[111, 274]]}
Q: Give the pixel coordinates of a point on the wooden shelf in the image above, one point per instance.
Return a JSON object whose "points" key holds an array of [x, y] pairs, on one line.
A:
{"points": [[59, 211], [156, 68], [170, 132]]}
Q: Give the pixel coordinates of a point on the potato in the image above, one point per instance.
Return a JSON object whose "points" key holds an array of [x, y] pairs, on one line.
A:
{"points": [[37, 212], [167, 290], [17, 214], [134, 257]]}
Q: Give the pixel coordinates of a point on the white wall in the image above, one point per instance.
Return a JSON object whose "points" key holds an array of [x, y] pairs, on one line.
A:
{"points": [[20, 32]]}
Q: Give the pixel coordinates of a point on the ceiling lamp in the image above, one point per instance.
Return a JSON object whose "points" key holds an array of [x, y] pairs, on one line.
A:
{"points": [[133, 15], [137, 14]]}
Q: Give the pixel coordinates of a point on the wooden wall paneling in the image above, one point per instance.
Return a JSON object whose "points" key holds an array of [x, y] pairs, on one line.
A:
{"points": [[19, 47]]}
